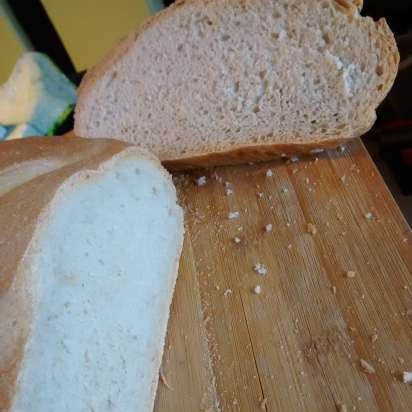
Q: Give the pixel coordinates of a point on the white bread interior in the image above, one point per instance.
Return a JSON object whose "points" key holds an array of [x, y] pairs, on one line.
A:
{"points": [[86, 308]]}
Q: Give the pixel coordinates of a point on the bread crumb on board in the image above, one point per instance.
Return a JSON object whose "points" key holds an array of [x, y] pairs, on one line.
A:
{"points": [[233, 215], [269, 173], [227, 292], [237, 240], [366, 366], [228, 191], [333, 289], [374, 337], [341, 407], [311, 229], [263, 403], [164, 380], [350, 274], [284, 190], [257, 290], [406, 377], [201, 181], [268, 227], [368, 215], [260, 269]]}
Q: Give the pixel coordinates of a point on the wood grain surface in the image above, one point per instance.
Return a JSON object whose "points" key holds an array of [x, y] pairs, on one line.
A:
{"points": [[298, 345]]}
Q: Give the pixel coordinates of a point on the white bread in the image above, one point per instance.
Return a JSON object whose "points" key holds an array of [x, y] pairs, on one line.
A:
{"points": [[90, 236], [217, 81]]}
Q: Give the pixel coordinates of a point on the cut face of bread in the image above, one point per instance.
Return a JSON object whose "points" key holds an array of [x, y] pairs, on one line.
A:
{"points": [[212, 76], [97, 279]]}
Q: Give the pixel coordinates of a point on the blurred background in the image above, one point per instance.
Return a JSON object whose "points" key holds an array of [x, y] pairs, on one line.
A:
{"points": [[75, 34]]}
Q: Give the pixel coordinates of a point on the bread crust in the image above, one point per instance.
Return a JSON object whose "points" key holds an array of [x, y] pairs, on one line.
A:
{"points": [[244, 153], [251, 154]]}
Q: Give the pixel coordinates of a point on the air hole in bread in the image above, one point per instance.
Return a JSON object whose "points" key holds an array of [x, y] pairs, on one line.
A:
{"points": [[379, 70], [326, 38]]}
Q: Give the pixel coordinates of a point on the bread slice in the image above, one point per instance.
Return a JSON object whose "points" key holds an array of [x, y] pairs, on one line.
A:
{"points": [[207, 81], [90, 237]]}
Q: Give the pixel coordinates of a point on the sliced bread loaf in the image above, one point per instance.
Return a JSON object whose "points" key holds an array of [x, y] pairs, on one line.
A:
{"points": [[212, 81], [90, 237]]}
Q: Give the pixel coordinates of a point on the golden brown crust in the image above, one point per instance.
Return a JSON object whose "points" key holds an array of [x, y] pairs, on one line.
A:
{"points": [[21, 206], [256, 153]]}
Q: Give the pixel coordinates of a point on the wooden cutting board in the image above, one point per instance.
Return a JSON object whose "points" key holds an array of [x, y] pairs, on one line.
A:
{"points": [[297, 345]]}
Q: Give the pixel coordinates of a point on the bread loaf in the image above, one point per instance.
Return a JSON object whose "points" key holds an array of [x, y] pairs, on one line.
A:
{"points": [[216, 81], [90, 237]]}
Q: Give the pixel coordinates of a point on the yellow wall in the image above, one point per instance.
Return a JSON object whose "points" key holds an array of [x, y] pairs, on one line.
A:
{"points": [[88, 28], [10, 49]]}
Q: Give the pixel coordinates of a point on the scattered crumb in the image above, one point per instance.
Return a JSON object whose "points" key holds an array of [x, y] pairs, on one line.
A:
{"points": [[240, 228], [405, 287], [164, 380], [350, 274], [333, 288], [216, 177], [290, 246], [257, 290], [217, 287], [201, 181], [268, 227], [294, 159], [401, 360], [263, 404], [237, 240], [233, 215], [341, 148], [259, 194], [366, 367], [260, 269], [352, 329], [227, 292], [284, 190], [341, 407], [302, 373], [294, 171], [311, 228], [374, 337], [343, 178], [368, 215], [269, 173], [228, 191], [406, 377]]}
